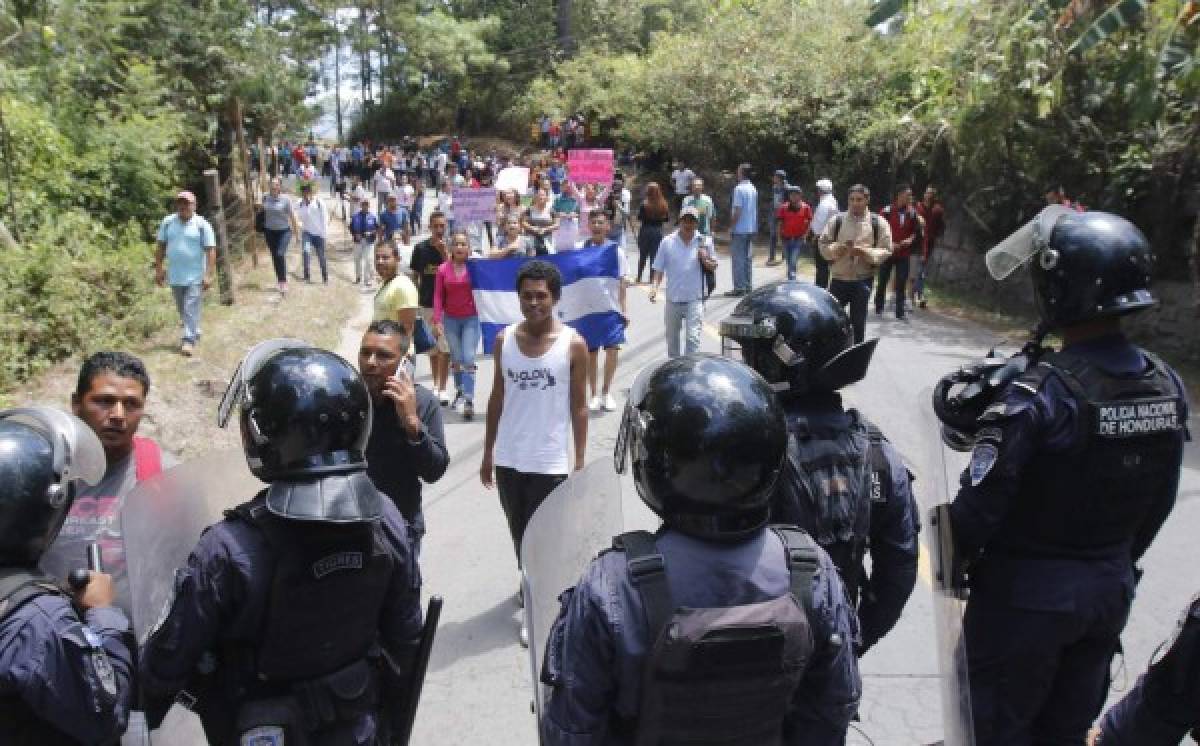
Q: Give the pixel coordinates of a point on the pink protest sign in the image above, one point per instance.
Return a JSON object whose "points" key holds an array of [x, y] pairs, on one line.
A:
{"points": [[474, 205], [590, 166]]}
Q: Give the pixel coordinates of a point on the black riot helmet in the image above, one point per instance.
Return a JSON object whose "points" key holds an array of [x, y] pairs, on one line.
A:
{"points": [[706, 438], [44, 454], [305, 417], [798, 337], [1084, 265]]}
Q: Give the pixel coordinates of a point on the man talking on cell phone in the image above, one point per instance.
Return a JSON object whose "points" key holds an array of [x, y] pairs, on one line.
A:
{"points": [[407, 445]]}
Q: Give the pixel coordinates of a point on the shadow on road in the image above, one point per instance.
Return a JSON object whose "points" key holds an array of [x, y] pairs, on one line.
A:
{"points": [[486, 631]]}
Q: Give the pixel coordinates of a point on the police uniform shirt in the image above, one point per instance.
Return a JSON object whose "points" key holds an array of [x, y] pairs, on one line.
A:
{"points": [[601, 639], [222, 596], [1040, 424], [77, 677], [894, 523]]}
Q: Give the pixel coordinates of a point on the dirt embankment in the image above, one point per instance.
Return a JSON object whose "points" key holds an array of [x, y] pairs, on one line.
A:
{"points": [[181, 410]]}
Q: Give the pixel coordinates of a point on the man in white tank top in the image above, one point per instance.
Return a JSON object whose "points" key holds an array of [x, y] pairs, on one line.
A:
{"points": [[539, 387]]}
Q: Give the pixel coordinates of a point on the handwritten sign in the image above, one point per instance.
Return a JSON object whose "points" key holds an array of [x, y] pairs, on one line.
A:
{"points": [[590, 166], [513, 177], [567, 234], [474, 205]]}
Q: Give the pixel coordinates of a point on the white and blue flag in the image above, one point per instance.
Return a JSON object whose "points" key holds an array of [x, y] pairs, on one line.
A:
{"points": [[590, 293]]}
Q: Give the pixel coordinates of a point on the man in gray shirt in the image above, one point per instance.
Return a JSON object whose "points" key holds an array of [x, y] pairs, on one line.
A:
{"points": [[682, 258]]}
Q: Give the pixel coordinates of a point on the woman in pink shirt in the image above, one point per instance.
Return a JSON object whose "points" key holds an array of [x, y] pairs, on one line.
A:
{"points": [[455, 316]]}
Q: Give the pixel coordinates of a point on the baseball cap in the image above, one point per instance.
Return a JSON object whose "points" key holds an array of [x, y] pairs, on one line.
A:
{"points": [[689, 212], [186, 195], [825, 185], [781, 173]]}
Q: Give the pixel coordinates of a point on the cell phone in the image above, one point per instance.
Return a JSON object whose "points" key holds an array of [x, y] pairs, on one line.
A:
{"points": [[407, 368]]}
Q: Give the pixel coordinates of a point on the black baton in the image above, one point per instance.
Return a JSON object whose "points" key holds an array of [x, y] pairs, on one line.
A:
{"points": [[420, 665]]}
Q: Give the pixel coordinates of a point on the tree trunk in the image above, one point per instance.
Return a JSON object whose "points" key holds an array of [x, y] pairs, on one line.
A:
{"points": [[6, 239], [239, 132], [337, 75], [565, 42], [212, 185], [1195, 262]]}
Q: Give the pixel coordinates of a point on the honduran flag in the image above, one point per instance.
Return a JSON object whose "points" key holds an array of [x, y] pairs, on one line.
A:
{"points": [[591, 283]]}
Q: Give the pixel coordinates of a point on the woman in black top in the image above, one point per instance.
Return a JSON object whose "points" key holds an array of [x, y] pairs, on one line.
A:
{"points": [[652, 215]]}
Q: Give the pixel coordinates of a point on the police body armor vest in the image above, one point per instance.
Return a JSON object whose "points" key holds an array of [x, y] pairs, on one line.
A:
{"points": [[314, 663], [1172, 684], [19, 725], [1090, 501], [831, 478], [726, 675]]}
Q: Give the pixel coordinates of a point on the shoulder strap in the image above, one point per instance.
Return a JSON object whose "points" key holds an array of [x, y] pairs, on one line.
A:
{"points": [[837, 225], [875, 229], [147, 458], [875, 441], [648, 571], [802, 559], [19, 586]]}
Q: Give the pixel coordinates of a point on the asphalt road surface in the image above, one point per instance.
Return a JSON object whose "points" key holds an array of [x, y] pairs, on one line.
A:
{"points": [[479, 688]]}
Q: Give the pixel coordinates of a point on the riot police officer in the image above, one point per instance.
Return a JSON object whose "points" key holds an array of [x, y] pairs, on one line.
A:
{"points": [[1074, 467], [297, 615], [65, 660], [843, 482], [716, 627], [1164, 705]]}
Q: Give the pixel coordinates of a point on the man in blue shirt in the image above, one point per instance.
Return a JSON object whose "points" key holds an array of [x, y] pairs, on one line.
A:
{"points": [[394, 220], [744, 224], [189, 246]]}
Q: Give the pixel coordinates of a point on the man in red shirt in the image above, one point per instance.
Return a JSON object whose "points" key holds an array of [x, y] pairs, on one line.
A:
{"points": [[906, 231], [933, 220], [792, 221]]}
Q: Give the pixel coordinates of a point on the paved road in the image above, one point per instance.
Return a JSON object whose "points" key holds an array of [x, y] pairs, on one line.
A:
{"points": [[479, 688]]}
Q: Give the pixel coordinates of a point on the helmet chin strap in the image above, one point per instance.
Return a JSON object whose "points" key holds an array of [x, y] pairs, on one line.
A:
{"points": [[785, 353]]}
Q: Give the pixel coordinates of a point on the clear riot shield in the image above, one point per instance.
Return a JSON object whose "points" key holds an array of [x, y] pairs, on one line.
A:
{"points": [[578, 520], [161, 521], [939, 468]]}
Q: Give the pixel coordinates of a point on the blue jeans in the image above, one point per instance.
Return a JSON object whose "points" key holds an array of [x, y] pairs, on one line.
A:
{"points": [[462, 334], [187, 302], [277, 242], [856, 294], [690, 316], [318, 245], [740, 251], [791, 252]]}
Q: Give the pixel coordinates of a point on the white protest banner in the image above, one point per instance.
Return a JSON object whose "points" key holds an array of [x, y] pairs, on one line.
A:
{"points": [[474, 205], [513, 177]]}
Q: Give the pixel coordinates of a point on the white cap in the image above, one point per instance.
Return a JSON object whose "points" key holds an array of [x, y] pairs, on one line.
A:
{"points": [[824, 185]]}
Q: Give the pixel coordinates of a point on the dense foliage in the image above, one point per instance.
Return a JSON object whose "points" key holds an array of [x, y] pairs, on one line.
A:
{"points": [[109, 107], [992, 101]]}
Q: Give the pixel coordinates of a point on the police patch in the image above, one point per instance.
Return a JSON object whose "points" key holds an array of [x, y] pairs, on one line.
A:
{"points": [[105, 674], [1129, 419], [983, 458], [336, 562]]}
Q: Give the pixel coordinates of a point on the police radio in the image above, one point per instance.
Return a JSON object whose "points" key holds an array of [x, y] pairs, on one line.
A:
{"points": [[961, 397], [79, 578]]}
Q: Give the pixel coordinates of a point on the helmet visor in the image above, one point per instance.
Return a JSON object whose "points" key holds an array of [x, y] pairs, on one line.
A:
{"points": [[236, 394], [77, 451], [1025, 243]]}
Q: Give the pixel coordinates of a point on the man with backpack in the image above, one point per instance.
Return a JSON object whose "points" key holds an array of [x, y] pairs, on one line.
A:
{"points": [[715, 628], [855, 243], [843, 481], [906, 228]]}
